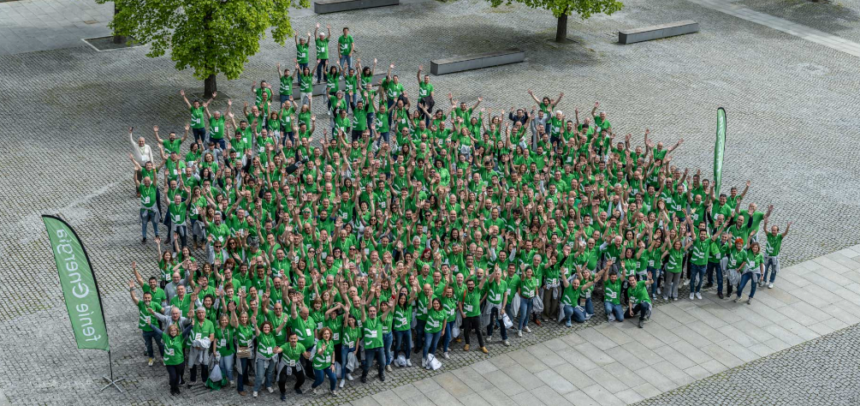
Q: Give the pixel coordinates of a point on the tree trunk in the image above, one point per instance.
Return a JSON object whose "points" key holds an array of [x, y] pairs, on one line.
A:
{"points": [[209, 86], [561, 29], [117, 39]]}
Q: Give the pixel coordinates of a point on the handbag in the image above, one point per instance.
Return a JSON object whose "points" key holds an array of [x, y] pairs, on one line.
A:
{"points": [[243, 352], [507, 320], [433, 362]]}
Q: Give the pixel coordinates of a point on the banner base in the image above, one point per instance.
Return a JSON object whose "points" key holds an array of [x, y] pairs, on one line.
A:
{"points": [[112, 382]]}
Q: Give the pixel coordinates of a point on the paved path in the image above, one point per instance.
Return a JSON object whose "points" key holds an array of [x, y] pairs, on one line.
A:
{"points": [[798, 30], [39, 25], [617, 363]]}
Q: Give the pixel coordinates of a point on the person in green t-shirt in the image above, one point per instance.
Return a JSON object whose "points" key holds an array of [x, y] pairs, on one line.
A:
{"points": [[345, 48], [290, 364], [323, 361], [771, 252], [573, 298], [753, 270], [321, 41], [198, 126], [437, 319], [639, 301], [470, 310], [145, 320], [302, 52], [199, 353], [371, 323], [699, 254], [496, 291], [612, 296], [174, 357], [527, 289]]}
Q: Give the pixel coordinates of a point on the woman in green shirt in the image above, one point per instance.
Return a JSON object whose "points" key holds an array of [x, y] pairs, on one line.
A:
{"points": [[437, 319], [350, 337], [225, 335], [323, 362], [403, 324], [265, 362], [174, 359], [527, 290], [752, 272], [674, 267]]}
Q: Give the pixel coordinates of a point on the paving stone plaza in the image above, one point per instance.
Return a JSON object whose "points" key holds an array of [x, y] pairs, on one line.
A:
{"points": [[785, 71]]}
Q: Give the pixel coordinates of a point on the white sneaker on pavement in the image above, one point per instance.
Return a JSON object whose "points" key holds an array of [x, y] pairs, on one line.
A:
{"points": [[699, 295], [692, 295]]}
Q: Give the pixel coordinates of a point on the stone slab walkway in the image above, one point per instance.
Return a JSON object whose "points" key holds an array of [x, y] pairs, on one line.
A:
{"points": [[617, 363], [780, 24], [39, 25]]}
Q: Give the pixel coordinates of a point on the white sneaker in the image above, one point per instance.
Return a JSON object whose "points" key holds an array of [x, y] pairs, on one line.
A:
{"points": [[692, 295], [519, 333], [388, 368], [506, 342], [232, 384], [770, 286], [318, 390], [527, 329], [489, 339], [660, 291], [349, 376], [588, 316], [270, 389], [446, 355], [342, 382], [423, 362], [665, 298], [611, 317], [408, 362], [254, 394], [334, 393], [699, 295]]}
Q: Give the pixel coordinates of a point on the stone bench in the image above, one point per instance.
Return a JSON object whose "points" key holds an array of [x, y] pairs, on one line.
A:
{"points": [[320, 89], [476, 61], [657, 31], [336, 6]]}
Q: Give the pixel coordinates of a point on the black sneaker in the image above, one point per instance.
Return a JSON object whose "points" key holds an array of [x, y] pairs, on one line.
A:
{"points": [[641, 323], [382, 377], [709, 285], [283, 397], [298, 391], [143, 241], [364, 379]]}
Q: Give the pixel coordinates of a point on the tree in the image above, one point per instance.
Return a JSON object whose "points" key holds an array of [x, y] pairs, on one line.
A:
{"points": [[561, 9], [209, 36]]}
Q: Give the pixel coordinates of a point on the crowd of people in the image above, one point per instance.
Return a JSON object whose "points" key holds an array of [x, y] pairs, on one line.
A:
{"points": [[296, 248]]}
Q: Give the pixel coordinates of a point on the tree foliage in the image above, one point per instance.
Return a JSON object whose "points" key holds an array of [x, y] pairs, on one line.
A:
{"points": [[583, 8], [209, 36]]}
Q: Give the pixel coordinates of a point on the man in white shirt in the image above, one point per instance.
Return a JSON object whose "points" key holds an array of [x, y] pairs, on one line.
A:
{"points": [[142, 154]]}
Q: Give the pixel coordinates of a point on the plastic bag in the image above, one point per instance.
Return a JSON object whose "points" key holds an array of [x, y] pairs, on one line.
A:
{"points": [[537, 305], [507, 320], [433, 362], [515, 305], [401, 360], [352, 362], [215, 373]]}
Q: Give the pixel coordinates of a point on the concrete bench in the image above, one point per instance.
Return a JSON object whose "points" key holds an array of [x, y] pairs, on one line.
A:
{"points": [[335, 6], [657, 31], [476, 61], [320, 89]]}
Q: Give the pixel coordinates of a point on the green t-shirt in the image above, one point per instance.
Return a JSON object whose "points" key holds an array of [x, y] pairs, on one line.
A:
{"points": [[528, 286], [286, 88], [292, 355], [345, 44], [304, 330], [201, 330], [323, 357], [402, 318], [472, 302], [435, 320], [496, 291], [639, 293], [302, 53], [145, 317], [216, 128], [676, 261], [173, 349], [322, 48], [571, 296], [700, 251], [372, 333], [774, 244], [197, 117], [612, 291], [424, 90], [224, 340]]}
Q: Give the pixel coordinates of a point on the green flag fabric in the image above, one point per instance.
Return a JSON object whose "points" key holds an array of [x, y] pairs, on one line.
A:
{"points": [[719, 148], [80, 289]]}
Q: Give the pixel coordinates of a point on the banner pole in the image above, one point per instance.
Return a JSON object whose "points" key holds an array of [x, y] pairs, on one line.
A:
{"points": [[111, 381]]}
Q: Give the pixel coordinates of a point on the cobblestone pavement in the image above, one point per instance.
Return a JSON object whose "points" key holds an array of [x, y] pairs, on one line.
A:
{"points": [[819, 372], [792, 123]]}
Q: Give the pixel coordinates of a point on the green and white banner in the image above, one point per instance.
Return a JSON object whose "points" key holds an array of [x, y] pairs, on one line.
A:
{"points": [[719, 148], [79, 285]]}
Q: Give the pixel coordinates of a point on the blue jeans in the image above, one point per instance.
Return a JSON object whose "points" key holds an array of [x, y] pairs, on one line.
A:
{"points": [[401, 339], [384, 137], [589, 307], [716, 268], [346, 60], [747, 277], [344, 353], [771, 264], [655, 276], [387, 340], [419, 332], [319, 377], [148, 216], [697, 276], [226, 364], [262, 371], [430, 342], [284, 98], [495, 318], [148, 337], [573, 313], [221, 144], [525, 312], [321, 69], [371, 354], [449, 327], [614, 309], [244, 366]]}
